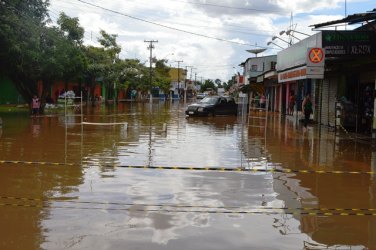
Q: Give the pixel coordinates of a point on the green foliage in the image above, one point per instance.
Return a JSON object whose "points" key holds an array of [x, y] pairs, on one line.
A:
{"points": [[229, 84], [208, 84], [71, 28], [31, 50], [22, 25], [162, 76]]}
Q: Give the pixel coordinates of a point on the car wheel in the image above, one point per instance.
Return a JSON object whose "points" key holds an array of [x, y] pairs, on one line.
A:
{"points": [[211, 114]]}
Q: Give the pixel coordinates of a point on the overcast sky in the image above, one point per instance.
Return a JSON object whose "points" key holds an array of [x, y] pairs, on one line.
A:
{"points": [[210, 35]]}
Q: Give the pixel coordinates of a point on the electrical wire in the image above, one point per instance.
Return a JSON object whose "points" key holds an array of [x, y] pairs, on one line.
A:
{"points": [[169, 27], [227, 6]]}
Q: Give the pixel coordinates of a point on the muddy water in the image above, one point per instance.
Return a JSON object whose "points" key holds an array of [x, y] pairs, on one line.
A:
{"points": [[95, 201]]}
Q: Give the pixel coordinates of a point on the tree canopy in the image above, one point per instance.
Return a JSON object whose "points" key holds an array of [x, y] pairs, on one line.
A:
{"points": [[33, 50]]}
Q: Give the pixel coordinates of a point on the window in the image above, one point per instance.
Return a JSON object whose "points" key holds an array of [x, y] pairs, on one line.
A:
{"points": [[254, 67], [272, 65]]}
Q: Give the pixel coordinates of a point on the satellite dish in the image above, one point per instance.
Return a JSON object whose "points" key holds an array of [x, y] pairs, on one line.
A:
{"points": [[255, 51]]}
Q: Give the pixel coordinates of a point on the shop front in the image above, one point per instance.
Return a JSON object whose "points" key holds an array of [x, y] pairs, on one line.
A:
{"points": [[301, 71], [338, 69], [350, 78]]}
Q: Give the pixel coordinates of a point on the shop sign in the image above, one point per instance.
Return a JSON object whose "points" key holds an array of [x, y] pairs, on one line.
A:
{"points": [[304, 72], [315, 57], [293, 74], [349, 43], [260, 78]]}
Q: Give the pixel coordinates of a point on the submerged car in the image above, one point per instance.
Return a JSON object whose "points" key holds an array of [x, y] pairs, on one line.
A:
{"points": [[213, 105], [201, 95]]}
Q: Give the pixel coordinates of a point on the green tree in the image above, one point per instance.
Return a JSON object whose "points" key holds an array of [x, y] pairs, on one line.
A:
{"points": [[229, 83], [134, 76], [61, 56], [162, 76], [110, 61], [71, 28], [208, 84], [31, 51], [22, 24]]}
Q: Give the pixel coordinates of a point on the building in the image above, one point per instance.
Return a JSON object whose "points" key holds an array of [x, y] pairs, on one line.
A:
{"points": [[259, 74], [338, 69], [178, 81]]}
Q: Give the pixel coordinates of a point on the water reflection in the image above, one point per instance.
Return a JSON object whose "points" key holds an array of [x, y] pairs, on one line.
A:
{"points": [[320, 150], [95, 204]]}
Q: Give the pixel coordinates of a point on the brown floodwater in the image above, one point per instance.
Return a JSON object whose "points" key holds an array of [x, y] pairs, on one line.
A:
{"points": [[65, 185]]}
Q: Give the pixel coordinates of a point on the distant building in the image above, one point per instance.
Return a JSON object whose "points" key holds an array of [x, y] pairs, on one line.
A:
{"points": [[178, 81]]}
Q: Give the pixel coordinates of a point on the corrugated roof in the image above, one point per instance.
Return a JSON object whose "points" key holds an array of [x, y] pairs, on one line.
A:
{"points": [[351, 19]]}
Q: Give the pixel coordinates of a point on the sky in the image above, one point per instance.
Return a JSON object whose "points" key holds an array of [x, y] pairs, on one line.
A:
{"points": [[209, 37]]}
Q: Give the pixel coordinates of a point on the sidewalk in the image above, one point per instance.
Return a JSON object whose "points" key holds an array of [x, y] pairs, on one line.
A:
{"points": [[340, 132]]}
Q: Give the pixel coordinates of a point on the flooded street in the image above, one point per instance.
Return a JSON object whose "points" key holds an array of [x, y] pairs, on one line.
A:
{"points": [[65, 185]]}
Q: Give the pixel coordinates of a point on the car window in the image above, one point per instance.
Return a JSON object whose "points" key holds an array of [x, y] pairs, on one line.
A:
{"points": [[230, 100], [209, 100], [223, 101]]}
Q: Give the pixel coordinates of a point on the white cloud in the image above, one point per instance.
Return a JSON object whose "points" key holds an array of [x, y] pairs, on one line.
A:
{"points": [[240, 24]]}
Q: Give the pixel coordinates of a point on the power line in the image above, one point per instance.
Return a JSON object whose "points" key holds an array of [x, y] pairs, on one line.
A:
{"points": [[247, 32], [215, 5], [226, 6], [168, 27]]}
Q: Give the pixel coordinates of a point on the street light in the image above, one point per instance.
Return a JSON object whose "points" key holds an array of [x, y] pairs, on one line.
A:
{"points": [[275, 45], [167, 55], [288, 32], [276, 37]]}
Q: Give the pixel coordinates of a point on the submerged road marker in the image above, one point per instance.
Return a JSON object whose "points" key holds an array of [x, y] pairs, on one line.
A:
{"points": [[169, 210], [37, 163], [219, 169], [240, 209]]}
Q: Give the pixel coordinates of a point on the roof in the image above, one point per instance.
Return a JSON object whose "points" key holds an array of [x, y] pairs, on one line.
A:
{"points": [[368, 16]]}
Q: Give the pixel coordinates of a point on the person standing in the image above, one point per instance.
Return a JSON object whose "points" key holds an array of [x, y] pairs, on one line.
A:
{"points": [[35, 105], [291, 103], [307, 109], [262, 101]]}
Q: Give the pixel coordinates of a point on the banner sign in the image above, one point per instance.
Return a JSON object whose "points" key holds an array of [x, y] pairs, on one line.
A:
{"points": [[348, 43], [304, 72]]}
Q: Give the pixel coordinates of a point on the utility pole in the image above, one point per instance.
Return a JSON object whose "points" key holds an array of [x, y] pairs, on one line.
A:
{"points": [[185, 82], [195, 82], [179, 75], [191, 72], [151, 47]]}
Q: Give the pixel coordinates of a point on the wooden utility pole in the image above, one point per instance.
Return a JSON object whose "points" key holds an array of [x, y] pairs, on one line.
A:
{"points": [[151, 47], [179, 75]]}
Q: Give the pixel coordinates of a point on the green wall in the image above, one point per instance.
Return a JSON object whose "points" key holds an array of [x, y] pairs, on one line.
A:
{"points": [[8, 93]]}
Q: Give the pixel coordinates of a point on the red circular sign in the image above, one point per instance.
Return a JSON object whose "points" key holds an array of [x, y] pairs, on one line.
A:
{"points": [[316, 55]]}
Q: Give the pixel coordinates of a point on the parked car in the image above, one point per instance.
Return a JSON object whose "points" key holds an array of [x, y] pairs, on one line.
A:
{"points": [[201, 95], [213, 105]]}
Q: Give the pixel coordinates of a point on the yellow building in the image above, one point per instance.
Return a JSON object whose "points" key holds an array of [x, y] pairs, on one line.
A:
{"points": [[174, 74]]}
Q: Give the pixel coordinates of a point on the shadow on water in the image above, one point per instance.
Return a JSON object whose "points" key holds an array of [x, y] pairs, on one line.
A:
{"points": [[99, 203]]}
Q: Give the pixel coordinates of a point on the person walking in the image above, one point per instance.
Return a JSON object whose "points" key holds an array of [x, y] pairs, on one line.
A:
{"points": [[307, 109]]}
